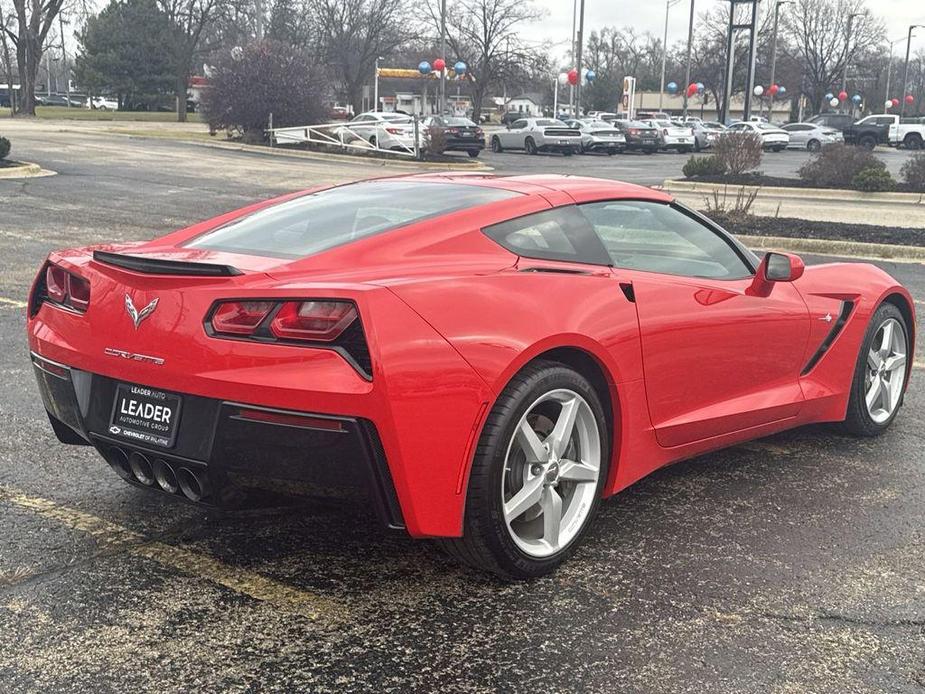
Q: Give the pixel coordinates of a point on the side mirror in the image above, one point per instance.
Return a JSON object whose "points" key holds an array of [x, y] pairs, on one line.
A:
{"points": [[782, 267], [775, 267]]}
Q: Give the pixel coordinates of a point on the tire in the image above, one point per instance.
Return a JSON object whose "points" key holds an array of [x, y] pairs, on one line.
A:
{"points": [[473, 153], [868, 142], [813, 145], [912, 141], [496, 145], [530, 146], [861, 419], [374, 141], [649, 151], [567, 152], [509, 547]]}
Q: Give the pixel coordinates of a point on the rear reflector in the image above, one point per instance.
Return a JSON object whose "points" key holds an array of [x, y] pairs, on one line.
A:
{"points": [[240, 317], [314, 321], [292, 420]]}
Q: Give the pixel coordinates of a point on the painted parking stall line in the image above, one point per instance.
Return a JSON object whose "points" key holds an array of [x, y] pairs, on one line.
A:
{"points": [[112, 536], [12, 303]]}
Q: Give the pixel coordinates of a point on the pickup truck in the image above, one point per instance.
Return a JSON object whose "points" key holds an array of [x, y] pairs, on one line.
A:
{"points": [[908, 133], [871, 131]]}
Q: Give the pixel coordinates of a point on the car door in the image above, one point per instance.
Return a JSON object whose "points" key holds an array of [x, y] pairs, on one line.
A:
{"points": [[718, 356], [798, 134], [513, 137]]}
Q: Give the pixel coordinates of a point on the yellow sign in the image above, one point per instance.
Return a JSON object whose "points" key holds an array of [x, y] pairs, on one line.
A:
{"points": [[404, 73]]}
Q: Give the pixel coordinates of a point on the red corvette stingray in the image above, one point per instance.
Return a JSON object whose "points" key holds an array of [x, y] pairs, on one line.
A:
{"points": [[483, 358]]}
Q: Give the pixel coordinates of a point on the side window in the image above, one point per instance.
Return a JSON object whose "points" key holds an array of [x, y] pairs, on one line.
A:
{"points": [[657, 237], [519, 125], [562, 233]]}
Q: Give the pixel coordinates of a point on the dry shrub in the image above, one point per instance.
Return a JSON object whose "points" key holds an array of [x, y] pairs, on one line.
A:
{"points": [[738, 152], [836, 165]]}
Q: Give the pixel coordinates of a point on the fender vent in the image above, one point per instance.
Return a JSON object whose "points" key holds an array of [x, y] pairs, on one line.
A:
{"points": [[846, 308]]}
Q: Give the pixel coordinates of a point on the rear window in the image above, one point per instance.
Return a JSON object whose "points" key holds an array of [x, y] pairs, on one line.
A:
{"points": [[314, 223], [458, 121]]}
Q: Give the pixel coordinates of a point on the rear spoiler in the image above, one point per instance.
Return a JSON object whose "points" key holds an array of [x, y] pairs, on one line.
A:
{"points": [[157, 266]]}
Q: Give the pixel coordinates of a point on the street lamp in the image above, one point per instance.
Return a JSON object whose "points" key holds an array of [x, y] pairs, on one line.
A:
{"points": [[844, 74], [889, 66], [902, 110], [690, 42], [774, 49], [376, 85], [661, 91]]}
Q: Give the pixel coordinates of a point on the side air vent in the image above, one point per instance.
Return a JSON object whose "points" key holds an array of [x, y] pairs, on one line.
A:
{"points": [[628, 291], [555, 270], [846, 308], [158, 266]]}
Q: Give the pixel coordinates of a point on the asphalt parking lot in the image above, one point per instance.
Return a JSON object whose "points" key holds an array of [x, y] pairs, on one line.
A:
{"points": [[791, 564]]}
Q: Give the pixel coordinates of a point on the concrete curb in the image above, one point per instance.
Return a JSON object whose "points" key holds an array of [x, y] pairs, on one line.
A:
{"points": [[26, 170], [853, 249], [800, 193], [317, 156]]}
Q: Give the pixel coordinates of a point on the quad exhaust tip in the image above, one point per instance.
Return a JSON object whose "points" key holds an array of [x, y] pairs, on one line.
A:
{"points": [[136, 467], [192, 485]]}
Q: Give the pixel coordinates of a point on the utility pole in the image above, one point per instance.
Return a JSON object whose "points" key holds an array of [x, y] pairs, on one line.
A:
{"points": [[690, 42], [902, 110], [730, 58], [376, 86], [661, 88], [571, 88], [844, 74], [67, 69], [774, 50], [442, 100], [889, 66], [258, 18], [581, 40]]}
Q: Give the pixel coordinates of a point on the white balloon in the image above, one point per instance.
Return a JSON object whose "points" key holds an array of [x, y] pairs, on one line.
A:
{"points": [[888, 104], [834, 102], [759, 90], [563, 78]]}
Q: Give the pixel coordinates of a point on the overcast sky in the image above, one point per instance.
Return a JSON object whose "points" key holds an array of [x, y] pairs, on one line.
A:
{"points": [[650, 16]]}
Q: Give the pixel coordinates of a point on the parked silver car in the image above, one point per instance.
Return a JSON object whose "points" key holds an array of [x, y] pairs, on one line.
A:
{"points": [[598, 136], [537, 135], [705, 133], [811, 136]]}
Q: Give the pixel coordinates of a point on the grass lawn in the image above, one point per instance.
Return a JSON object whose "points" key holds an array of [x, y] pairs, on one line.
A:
{"points": [[76, 113]]}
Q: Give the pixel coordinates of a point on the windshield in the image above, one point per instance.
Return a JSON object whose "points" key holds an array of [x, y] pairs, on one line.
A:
{"points": [[319, 221]]}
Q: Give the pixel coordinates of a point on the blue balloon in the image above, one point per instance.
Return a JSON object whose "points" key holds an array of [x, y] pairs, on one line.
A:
{"points": [[781, 91], [589, 75], [460, 68], [829, 96], [856, 99], [701, 88], [672, 87], [424, 67]]}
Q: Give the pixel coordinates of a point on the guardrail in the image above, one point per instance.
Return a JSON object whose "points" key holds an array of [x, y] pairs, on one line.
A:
{"points": [[399, 135]]}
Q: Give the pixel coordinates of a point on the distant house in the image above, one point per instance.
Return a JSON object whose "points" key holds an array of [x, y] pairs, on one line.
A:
{"points": [[530, 104]]}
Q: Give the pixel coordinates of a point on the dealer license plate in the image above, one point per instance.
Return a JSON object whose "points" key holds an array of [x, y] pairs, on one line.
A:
{"points": [[145, 415]]}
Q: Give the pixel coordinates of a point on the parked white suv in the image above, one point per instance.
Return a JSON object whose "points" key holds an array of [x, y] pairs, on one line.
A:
{"points": [[103, 103]]}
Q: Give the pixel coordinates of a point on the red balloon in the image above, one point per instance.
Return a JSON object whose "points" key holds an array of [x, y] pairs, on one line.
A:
{"points": [[439, 64], [910, 99], [842, 95], [692, 89], [573, 76], [895, 102], [773, 89]]}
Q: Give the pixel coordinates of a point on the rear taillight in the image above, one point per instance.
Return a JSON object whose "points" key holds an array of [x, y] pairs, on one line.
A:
{"points": [[394, 131], [240, 317], [313, 321], [634, 131], [479, 131], [64, 288], [319, 323]]}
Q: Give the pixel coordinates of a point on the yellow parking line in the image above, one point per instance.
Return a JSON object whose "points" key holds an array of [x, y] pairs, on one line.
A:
{"points": [[114, 536], [918, 365], [12, 302]]}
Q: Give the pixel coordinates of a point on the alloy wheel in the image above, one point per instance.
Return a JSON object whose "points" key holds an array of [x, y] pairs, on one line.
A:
{"points": [[886, 371], [551, 470]]}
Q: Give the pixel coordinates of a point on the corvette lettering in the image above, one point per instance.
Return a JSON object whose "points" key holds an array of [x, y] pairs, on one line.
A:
{"points": [[133, 356]]}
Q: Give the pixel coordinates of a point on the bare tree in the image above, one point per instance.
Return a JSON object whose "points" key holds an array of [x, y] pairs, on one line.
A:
{"points": [[817, 31], [190, 20], [353, 33], [34, 19], [5, 23], [486, 35]]}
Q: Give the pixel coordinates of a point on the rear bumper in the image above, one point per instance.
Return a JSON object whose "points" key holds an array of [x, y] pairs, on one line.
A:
{"points": [[232, 447]]}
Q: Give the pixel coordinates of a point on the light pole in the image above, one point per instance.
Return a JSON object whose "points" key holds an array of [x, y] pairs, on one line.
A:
{"points": [[581, 40], [442, 100], [844, 74], [376, 86], [690, 42], [774, 50], [661, 90], [67, 70], [889, 66], [902, 110]]}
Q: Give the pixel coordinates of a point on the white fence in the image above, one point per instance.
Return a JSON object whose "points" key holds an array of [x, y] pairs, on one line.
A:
{"points": [[401, 135]]}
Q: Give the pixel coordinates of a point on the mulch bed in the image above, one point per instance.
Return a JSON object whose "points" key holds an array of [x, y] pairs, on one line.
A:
{"points": [[759, 179], [805, 229]]}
